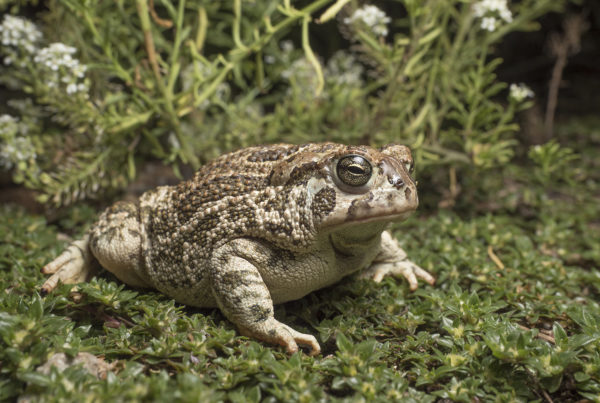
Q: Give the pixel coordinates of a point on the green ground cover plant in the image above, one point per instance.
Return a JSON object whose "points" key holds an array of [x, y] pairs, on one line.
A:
{"points": [[515, 313]]}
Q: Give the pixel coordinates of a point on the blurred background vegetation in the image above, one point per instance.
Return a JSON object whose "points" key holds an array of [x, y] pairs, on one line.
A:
{"points": [[92, 90]]}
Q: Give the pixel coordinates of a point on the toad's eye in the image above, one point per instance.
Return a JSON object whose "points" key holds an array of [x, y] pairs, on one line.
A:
{"points": [[410, 167], [354, 170]]}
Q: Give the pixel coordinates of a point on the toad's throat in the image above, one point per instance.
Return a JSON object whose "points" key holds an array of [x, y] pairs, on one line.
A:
{"points": [[351, 246]]}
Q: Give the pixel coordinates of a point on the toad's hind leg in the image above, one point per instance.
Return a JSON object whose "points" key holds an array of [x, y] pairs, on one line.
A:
{"points": [[244, 299], [115, 241]]}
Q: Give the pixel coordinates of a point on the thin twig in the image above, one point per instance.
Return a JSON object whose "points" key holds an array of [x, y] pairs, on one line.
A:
{"points": [[142, 7], [562, 47], [547, 396], [495, 258], [156, 18], [540, 335]]}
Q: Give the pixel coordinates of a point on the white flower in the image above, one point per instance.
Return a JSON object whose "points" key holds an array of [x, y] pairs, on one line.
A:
{"points": [[299, 70], [62, 68], [505, 14], [57, 55], [71, 88], [7, 121], [174, 141], [492, 9], [343, 69], [14, 147], [303, 79], [19, 33], [372, 17], [488, 23], [519, 92], [18, 37], [287, 45]]}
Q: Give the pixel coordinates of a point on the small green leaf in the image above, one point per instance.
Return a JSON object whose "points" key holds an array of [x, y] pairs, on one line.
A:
{"points": [[36, 378], [430, 36], [342, 342], [560, 336], [37, 307]]}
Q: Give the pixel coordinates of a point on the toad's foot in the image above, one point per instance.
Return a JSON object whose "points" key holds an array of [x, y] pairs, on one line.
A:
{"points": [[275, 332], [404, 268], [392, 261], [70, 267]]}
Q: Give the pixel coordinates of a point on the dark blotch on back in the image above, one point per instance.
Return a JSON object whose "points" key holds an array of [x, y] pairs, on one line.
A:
{"points": [[272, 153], [300, 172]]}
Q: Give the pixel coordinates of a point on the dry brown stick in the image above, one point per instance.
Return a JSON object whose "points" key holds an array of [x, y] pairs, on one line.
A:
{"points": [[160, 21], [540, 335], [143, 13], [547, 396], [562, 46]]}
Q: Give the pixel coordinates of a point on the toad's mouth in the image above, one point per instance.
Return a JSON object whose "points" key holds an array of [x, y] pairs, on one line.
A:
{"points": [[352, 222]]}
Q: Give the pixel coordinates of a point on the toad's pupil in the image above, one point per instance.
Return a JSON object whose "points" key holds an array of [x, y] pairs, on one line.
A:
{"points": [[354, 170]]}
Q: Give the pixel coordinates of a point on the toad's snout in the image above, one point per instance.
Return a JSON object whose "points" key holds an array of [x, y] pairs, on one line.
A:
{"points": [[397, 175], [396, 181], [401, 183], [406, 187]]}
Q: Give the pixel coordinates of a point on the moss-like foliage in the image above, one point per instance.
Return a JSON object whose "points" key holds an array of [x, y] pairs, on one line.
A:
{"points": [[514, 315]]}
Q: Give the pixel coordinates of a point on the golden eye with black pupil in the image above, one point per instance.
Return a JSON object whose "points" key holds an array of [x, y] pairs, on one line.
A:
{"points": [[354, 170]]}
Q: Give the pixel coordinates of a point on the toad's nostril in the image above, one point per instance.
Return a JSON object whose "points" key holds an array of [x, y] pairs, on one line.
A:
{"points": [[396, 181]]}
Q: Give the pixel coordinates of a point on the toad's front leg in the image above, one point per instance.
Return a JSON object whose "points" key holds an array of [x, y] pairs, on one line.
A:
{"points": [[392, 260], [244, 299]]}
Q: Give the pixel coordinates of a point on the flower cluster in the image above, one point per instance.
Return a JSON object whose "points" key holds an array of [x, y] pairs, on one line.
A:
{"points": [[372, 17], [18, 35], [492, 12], [57, 66], [519, 92], [286, 46], [343, 69], [14, 148], [301, 75], [61, 68], [195, 75]]}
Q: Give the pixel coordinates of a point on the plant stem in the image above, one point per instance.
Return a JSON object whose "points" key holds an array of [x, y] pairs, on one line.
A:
{"points": [[185, 152], [238, 54]]}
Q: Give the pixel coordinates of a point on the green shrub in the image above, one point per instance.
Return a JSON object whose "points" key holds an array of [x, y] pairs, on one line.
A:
{"points": [[183, 81]]}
